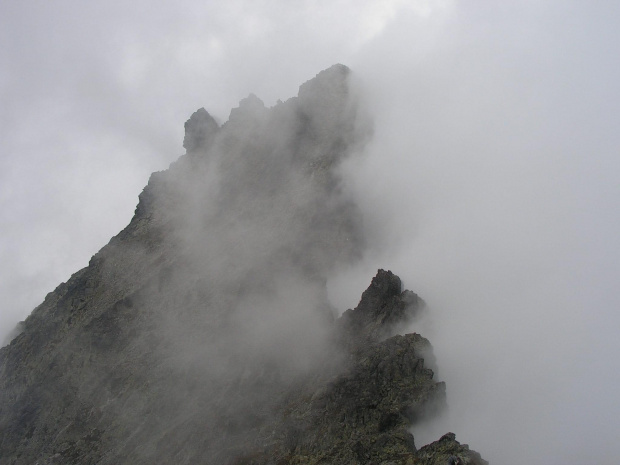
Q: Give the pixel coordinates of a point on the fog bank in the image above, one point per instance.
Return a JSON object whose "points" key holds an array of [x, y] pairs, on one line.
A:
{"points": [[490, 185], [490, 188]]}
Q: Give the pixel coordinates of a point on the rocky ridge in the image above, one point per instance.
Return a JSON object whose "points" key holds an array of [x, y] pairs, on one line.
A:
{"points": [[202, 332]]}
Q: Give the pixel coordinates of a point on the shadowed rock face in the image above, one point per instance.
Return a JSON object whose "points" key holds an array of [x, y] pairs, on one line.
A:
{"points": [[199, 130], [202, 332]]}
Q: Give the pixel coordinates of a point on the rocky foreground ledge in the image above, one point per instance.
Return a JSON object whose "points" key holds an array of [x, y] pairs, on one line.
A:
{"points": [[356, 407], [363, 414]]}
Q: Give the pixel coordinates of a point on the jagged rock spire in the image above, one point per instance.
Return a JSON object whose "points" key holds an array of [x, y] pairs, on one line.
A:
{"points": [[200, 129]]}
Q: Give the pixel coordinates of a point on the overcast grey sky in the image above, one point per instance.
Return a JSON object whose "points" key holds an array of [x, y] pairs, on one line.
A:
{"points": [[491, 186]]}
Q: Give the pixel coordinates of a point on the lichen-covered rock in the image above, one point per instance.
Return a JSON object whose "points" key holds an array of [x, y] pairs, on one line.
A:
{"points": [[448, 451], [382, 311]]}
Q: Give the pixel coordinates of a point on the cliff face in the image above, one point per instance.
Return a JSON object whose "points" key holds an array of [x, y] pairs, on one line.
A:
{"points": [[202, 332]]}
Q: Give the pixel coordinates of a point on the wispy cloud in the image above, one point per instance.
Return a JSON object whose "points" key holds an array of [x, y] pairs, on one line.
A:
{"points": [[490, 186]]}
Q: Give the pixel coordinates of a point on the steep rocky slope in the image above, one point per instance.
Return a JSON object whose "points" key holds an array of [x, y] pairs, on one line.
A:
{"points": [[202, 332]]}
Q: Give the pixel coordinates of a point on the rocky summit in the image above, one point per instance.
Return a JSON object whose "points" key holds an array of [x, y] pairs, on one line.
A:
{"points": [[202, 333]]}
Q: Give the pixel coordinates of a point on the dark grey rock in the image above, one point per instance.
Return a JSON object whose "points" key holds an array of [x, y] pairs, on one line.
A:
{"points": [[447, 450], [199, 131]]}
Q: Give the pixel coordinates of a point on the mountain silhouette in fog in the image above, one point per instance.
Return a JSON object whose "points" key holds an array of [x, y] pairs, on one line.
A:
{"points": [[202, 332]]}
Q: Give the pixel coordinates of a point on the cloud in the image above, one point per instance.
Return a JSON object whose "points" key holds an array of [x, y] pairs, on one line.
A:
{"points": [[497, 152], [490, 186]]}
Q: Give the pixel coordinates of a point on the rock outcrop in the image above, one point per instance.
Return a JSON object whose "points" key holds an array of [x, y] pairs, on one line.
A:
{"points": [[202, 332]]}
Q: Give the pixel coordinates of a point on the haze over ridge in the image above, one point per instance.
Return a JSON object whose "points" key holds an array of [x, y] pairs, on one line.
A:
{"points": [[505, 179], [202, 332]]}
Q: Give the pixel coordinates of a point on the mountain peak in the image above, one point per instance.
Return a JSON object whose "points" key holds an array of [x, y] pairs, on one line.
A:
{"points": [[199, 130], [203, 332]]}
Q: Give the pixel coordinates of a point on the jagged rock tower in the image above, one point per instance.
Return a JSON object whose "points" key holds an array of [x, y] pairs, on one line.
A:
{"points": [[202, 332]]}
